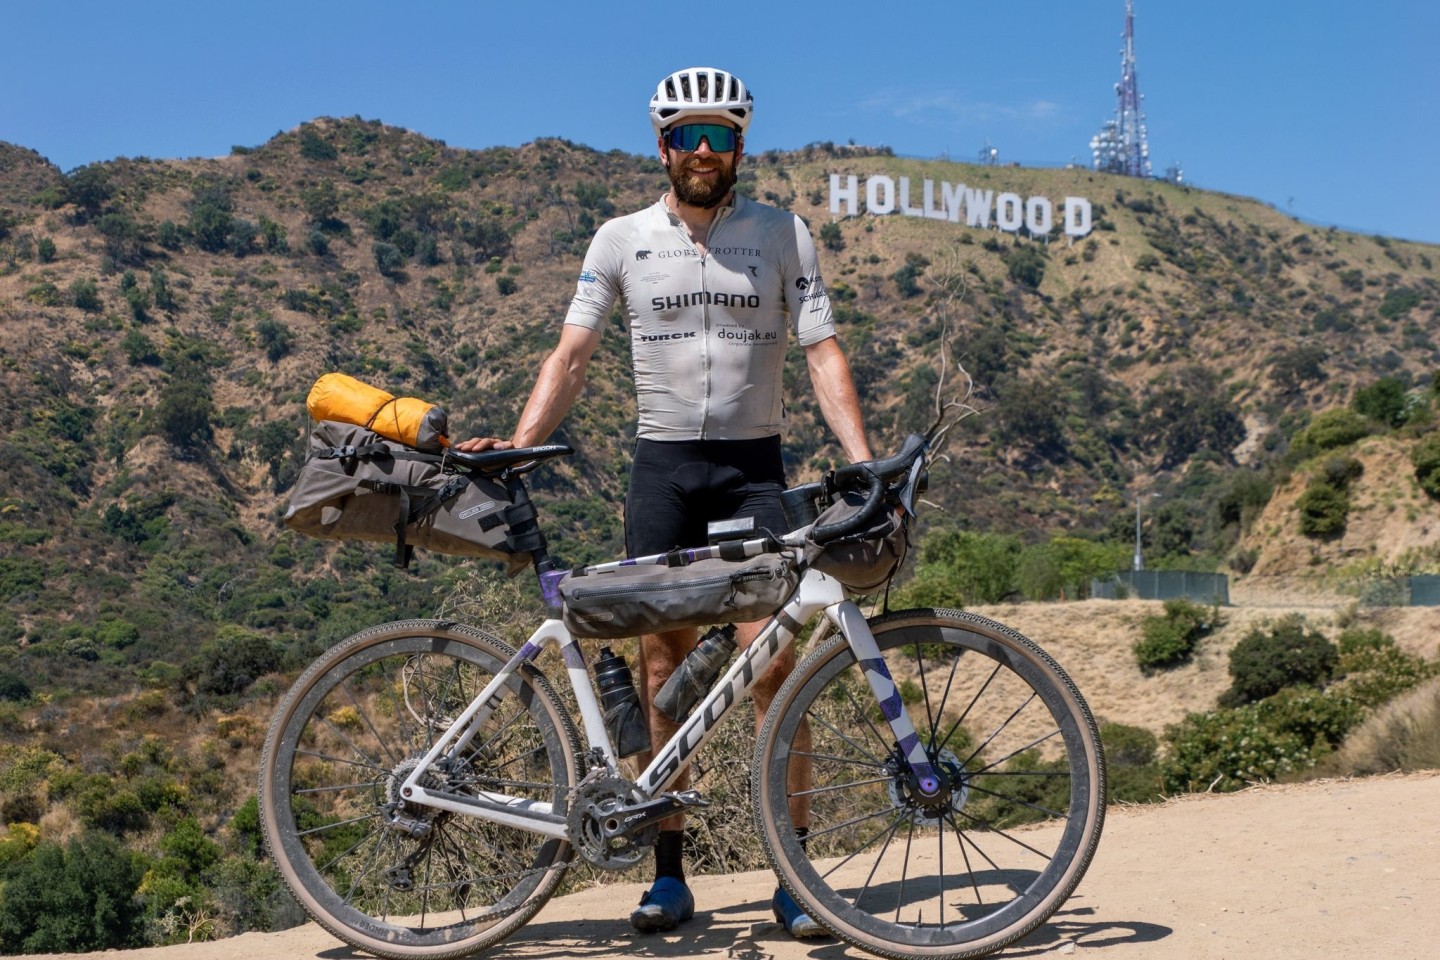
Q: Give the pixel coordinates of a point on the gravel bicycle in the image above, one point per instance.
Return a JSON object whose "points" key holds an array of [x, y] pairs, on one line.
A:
{"points": [[423, 790]]}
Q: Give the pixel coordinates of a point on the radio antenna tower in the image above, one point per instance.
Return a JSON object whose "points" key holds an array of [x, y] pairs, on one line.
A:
{"points": [[1120, 146]]}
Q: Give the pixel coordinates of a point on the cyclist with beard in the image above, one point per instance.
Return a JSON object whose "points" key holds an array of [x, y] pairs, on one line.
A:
{"points": [[713, 285]]}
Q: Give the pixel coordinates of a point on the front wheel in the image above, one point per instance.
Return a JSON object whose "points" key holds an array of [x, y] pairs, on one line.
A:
{"points": [[904, 874], [397, 879]]}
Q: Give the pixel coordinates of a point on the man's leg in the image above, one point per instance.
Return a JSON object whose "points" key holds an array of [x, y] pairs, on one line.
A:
{"points": [[668, 901], [798, 781]]}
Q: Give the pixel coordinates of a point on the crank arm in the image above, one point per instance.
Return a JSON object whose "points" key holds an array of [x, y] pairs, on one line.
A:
{"points": [[623, 823]]}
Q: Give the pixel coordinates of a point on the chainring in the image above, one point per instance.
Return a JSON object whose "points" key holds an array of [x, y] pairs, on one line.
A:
{"points": [[597, 802]]}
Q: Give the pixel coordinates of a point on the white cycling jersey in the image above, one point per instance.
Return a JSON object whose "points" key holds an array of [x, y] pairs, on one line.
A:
{"points": [[708, 333]]}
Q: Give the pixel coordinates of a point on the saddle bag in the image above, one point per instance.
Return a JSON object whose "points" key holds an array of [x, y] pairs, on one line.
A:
{"points": [[357, 485], [650, 598]]}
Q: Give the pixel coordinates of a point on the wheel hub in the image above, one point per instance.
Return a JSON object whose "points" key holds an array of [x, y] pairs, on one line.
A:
{"points": [[929, 808], [395, 782]]}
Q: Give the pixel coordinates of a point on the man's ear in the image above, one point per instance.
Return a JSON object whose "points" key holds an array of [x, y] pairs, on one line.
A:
{"points": [[664, 151], [739, 147]]}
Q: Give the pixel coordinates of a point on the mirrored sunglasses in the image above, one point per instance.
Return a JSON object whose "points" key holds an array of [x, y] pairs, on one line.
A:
{"points": [[687, 137]]}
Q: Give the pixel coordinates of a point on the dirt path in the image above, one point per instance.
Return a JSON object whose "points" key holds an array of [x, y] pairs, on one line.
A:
{"points": [[1324, 871]]}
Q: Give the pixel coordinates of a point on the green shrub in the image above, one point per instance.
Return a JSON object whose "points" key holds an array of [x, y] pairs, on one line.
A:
{"points": [[85, 294], [1289, 654], [1319, 718], [1425, 456], [1132, 773], [1384, 400], [1026, 266], [1324, 509], [1227, 750], [275, 337], [1171, 639], [314, 147], [1337, 427], [1374, 670]]}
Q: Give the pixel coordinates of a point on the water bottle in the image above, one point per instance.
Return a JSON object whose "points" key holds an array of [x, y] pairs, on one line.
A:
{"points": [[691, 680], [624, 720]]}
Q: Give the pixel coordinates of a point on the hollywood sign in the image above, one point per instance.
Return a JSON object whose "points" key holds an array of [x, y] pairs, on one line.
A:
{"points": [[958, 203]]}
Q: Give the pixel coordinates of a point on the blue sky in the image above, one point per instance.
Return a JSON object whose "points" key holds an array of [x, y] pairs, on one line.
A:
{"points": [[1324, 109]]}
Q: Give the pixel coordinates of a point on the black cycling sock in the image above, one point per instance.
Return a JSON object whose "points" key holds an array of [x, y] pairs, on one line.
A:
{"points": [[668, 862]]}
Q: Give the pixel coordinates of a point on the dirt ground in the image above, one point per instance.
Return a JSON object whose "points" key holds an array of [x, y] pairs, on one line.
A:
{"points": [[1328, 870]]}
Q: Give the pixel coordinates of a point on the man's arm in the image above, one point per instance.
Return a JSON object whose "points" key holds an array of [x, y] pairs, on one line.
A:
{"points": [[562, 376], [839, 403]]}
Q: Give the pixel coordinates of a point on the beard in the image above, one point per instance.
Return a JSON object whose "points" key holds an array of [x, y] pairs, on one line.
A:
{"points": [[698, 191]]}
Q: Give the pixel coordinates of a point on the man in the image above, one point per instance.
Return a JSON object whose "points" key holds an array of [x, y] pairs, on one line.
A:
{"points": [[710, 281]]}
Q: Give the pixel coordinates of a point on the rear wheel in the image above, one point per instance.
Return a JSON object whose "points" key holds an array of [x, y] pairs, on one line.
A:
{"points": [[403, 880], [901, 873]]}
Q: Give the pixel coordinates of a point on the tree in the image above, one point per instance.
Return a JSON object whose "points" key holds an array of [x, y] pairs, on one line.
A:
{"points": [[1294, 368], [1032, 413], [1191, 414], [234, 660], [389, 260], [76, 898], [963, 567], [89, 189], [186, 409], [832, 237]]}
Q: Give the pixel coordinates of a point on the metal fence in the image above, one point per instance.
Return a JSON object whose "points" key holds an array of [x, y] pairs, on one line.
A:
{"points": [[1425, 591], [1163, 585]]}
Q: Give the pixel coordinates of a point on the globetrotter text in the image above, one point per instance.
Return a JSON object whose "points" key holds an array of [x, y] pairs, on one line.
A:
{"points": [[945, 201]]}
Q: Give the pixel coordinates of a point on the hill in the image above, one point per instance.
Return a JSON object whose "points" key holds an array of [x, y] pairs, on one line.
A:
{"points": [[162, 320]]}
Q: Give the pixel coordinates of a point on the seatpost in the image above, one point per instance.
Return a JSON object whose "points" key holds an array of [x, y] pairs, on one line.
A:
{"points": [[525, 536]]}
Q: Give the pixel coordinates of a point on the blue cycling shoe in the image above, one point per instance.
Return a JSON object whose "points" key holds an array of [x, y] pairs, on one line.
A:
{"points": [[664, 906], [797, 922]]}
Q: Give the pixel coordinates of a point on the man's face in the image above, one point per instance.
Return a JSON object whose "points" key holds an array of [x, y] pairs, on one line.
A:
{"points": [[701, 177]]}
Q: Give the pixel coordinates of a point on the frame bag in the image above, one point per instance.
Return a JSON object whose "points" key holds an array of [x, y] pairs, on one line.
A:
{"points": [[649, 598], [357, 485]]}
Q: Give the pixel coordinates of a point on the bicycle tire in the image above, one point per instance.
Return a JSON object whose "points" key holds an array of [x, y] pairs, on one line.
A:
{"points": [[342, 740], [1014, 740]]}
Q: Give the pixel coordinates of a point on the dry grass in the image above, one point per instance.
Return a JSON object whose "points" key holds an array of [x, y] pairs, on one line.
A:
{"points": [[1402, 736]]}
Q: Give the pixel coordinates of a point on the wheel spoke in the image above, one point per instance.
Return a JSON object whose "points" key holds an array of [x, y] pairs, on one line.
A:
{"points": [[399, 878], [894, 868]]}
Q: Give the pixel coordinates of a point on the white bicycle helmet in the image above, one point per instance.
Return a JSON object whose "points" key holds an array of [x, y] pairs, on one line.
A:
{"points": [[700, 90]]}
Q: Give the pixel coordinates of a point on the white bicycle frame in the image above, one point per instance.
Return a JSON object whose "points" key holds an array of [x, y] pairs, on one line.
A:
{"points": [[816, 592]]}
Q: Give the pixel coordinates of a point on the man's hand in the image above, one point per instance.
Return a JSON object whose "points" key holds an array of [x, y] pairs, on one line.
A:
{"points": [[479, 444]]}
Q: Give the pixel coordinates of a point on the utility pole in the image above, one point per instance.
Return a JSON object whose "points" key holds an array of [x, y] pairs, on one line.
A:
{"points": [[1139, 562]]}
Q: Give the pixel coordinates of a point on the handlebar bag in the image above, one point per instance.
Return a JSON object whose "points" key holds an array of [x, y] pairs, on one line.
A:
{"points": [[357, 485], [651, 598], [864, 560]]}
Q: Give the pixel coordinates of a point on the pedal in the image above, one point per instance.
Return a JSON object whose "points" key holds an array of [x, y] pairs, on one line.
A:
{"points": [[688, 798]]}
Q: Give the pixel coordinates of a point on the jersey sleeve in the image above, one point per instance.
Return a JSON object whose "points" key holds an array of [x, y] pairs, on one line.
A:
{"points": [[599, 283], [805, 294]]}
